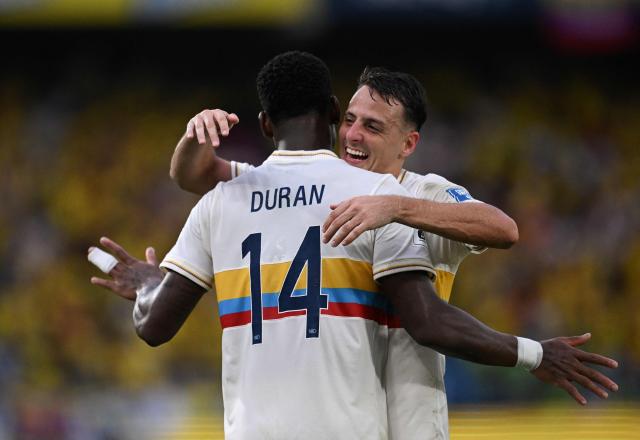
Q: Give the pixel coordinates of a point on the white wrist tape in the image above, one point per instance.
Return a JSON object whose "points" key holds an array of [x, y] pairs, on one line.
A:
{"points": [[529, 354], [104, 261]]}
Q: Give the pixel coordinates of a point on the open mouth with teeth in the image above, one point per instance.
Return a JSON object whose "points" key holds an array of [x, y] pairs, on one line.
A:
{"points": [[355, 156]]}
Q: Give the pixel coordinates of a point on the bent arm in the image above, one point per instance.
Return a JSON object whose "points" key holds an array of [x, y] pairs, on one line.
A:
{"points": [[443, 327], [476, 223], [196, 167], [161, 308]]}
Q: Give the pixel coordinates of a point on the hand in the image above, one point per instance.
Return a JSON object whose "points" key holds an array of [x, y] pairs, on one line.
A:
{"points": [[562, 364], [215, 121], [354, 216], [129, 274]]}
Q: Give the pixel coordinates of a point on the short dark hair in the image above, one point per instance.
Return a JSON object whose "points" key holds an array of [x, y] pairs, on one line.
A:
{"points": [[400, 87], [293, 84]]}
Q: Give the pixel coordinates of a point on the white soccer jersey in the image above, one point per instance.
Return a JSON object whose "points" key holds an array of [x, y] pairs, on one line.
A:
{"points": [[305, 330], [446, 254], [416, 398]]}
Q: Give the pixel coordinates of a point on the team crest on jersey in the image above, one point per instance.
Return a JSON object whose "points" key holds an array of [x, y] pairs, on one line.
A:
{"points": [[460, 194], [419, 237]]}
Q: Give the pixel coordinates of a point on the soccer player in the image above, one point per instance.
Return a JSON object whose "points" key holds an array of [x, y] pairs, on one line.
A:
{"points": [[250, 213], [379, 131]]}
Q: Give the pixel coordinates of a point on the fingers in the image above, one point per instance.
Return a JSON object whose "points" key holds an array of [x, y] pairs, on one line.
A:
{"points": [[199, 125], [344, 231], [117, 250], [190, 129], [221, 119], [588, 384], [598, 359], [215, 123], [598, 377], [224, 120], [327, 223], [114, 287], [150, 254], [355, 233], [341, 224], [102, 260], [212, 129], [575, 341], [573, 391], [335, 220], [107, 284], [233, 119]]}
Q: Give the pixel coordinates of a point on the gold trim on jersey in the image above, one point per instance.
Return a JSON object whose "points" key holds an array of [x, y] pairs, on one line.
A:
{"points": [[444, 284], [336, 273], [402, 175], [189, 270], [288, 153], [404, 264]]}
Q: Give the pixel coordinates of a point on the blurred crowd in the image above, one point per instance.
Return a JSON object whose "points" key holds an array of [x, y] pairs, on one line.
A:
{"points": [[85, 155]]}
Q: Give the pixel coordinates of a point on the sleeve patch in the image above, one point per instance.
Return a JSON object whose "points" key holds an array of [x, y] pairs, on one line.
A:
{"points": [[459, 194], [419, 237]]}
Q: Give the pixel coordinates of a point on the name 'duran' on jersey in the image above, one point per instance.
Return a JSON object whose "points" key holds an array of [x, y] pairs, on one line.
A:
{"points": [[286, 197]]}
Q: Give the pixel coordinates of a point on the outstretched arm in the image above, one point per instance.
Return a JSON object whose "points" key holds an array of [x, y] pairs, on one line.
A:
{"points": [[162, 302], [478, 224], [451, 331], [195, 166]]}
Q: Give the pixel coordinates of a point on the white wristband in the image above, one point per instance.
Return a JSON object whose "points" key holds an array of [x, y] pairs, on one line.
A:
{"points": [[529, 354], [104, 261]]}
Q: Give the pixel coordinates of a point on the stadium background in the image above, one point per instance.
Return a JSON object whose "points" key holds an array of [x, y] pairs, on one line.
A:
{"points": [[534, 106]]}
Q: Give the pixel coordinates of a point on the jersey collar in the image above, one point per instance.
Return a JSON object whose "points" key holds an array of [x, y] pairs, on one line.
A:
{"points": [[301, 155]]}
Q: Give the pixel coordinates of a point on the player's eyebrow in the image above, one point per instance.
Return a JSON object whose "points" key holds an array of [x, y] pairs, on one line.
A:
{"points": [[366, 119]]}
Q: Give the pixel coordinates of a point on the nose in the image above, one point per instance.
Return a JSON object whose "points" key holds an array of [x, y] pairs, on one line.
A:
{"points": [[354, 133]]}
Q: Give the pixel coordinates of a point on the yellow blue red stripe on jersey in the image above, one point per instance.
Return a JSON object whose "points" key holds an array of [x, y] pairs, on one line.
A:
{"points": [[348, 284]]}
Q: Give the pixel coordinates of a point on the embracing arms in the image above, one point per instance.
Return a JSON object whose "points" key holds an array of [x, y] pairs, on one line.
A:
{"points": [[195, 166], [445, 328], [477, 224], [451, 331]]}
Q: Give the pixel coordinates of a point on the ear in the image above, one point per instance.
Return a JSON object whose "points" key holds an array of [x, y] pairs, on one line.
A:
{"points": [[410, 144], [265, 125], [334, 110]]}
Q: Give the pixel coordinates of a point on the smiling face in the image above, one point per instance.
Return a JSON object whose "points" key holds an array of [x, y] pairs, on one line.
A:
{"points": [[374, 134]]}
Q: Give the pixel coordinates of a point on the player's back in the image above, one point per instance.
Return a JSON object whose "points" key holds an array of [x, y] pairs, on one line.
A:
{"points": [[304, 327]]}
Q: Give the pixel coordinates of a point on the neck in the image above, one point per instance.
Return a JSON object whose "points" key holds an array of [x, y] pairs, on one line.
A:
{"points": [[396, 170], [303, 133]]}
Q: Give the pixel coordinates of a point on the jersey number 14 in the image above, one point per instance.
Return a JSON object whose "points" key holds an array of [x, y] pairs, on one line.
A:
{"points": [[308, 254]]}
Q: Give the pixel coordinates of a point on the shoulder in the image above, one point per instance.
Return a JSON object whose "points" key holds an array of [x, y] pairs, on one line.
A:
{"points": [[239, 168], [211, 199], [366, 182], [387, 184], [435, 187]]}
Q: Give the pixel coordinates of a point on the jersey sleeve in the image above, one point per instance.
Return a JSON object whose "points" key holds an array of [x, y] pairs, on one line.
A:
{"points": [[238, 168], [448, 192], [191, 255], [396, 247]]}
